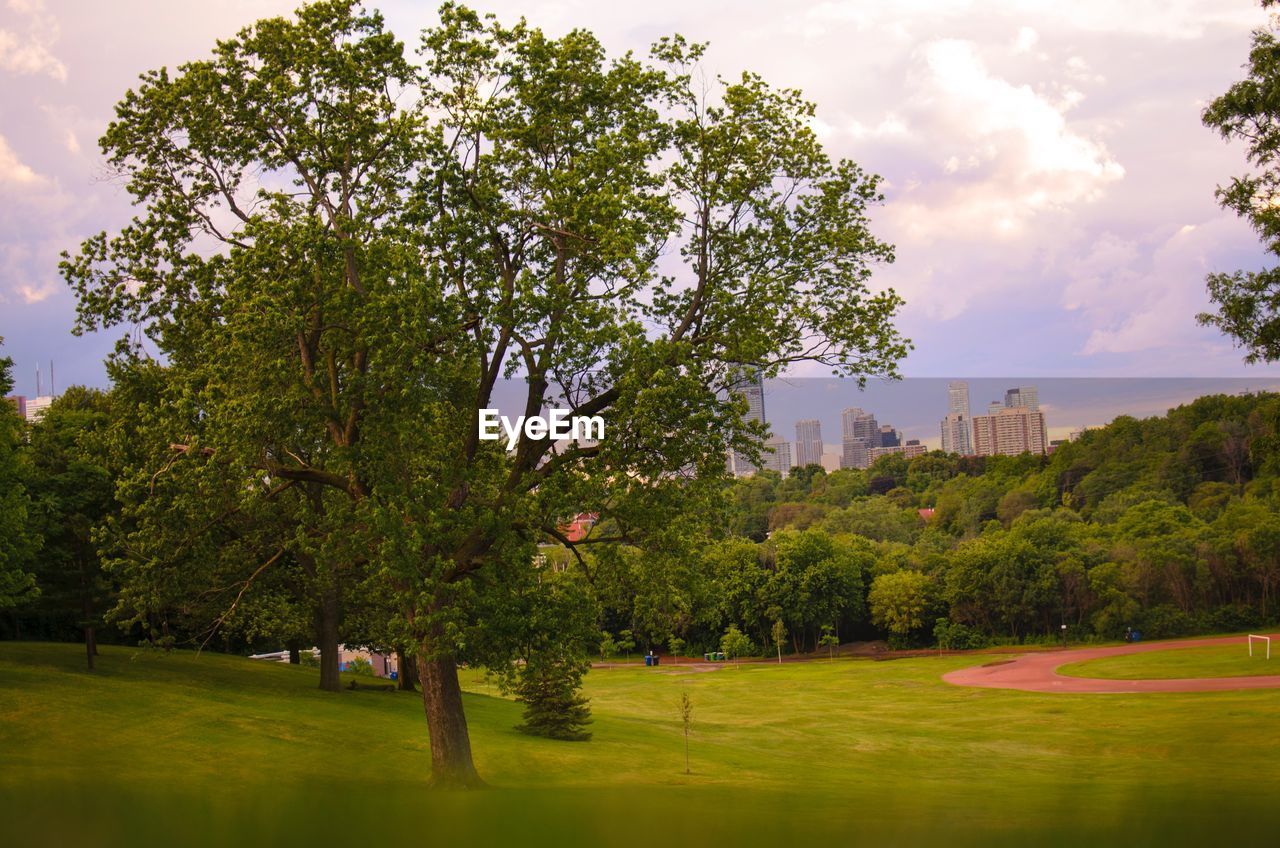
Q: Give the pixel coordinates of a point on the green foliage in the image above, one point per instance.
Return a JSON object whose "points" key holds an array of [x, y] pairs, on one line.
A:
{"points": [[18, 542], [829, 640], [898, 601], [70, 478], [953, 636], [1248, 302], [360, 666], [339, 253], [734, 644], [553, 706]]}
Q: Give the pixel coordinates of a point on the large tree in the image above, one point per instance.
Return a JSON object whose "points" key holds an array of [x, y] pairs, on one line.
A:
{"points": [[18, 539], [71, 490], [343, 255], [1248, 302]]}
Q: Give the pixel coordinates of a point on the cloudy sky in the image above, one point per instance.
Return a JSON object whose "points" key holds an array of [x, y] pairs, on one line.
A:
{"points": [[1049, 185]]}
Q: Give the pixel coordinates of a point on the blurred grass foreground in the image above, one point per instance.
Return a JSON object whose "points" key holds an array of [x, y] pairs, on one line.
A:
{"points": [[212, 750]]}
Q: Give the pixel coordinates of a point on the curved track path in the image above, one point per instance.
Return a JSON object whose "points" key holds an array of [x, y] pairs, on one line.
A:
{"points": [[1039, 672]]}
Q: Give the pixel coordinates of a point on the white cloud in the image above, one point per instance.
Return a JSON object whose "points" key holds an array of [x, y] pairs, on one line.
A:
{"points": [[35, 294], [1025, 40], [1137, 298], [1008, 153], [27, 50], [12, 169]]}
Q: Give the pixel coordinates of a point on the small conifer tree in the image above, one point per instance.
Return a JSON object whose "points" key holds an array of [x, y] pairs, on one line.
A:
{"points": [[554, 707]]}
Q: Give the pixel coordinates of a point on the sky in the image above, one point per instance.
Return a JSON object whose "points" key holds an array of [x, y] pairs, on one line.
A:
{"points": [[1049, 186]]}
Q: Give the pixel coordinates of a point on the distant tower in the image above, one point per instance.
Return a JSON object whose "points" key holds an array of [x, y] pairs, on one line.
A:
{"points": [[958, 398], [751, 387], [808, 442], [957, 427], [859, 432], [1028, 396]]}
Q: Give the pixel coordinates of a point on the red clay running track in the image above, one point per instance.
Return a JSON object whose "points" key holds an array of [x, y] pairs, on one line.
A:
{"points": [[1039, 672]]}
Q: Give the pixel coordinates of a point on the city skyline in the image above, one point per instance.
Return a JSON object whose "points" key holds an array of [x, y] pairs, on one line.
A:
{"points": [[914, 404]]}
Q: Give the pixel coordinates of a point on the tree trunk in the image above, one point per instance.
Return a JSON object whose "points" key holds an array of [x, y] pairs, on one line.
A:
{"points": [[451, 765], [408, 673], [295, 655], [86, 607], [327, 615]]}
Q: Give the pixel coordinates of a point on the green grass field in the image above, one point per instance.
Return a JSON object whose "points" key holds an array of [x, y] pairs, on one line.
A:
{"points": [[1216, 661], [218, 750]]}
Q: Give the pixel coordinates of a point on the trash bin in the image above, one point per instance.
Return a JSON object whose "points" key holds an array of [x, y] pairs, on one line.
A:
{"points": [[648, 660], [657, 660], [395, 675], [719, 656], [706, 658]]}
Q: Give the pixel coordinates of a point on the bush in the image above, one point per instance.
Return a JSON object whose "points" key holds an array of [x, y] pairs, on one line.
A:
{"points": [[1165, 621], [1229, 619], [958, 637], [360, 666]]}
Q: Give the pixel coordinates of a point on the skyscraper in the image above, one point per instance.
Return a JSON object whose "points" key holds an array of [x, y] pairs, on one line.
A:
{"points": [[750, 385], [808, 442], [1028, 396], [859, 433], [958, 398], [957, 434], [957, 427]]}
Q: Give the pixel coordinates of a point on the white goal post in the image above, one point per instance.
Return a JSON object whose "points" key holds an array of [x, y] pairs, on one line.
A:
{"points": [[1266, 639]]}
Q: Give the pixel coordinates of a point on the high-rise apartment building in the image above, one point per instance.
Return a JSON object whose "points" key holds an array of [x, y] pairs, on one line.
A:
{"points": [[36, 406], [957, 434], [777, 456], [808, 442], [889, 437], [910, 450], [1010, 431], [856, 453], [957, 427]]}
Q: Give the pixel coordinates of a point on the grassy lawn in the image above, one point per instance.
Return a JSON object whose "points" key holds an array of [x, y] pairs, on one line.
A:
{"points": [[217, 750], [1217, 661]]}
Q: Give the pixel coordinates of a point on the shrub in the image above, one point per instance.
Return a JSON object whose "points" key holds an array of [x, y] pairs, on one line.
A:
{"points": [[1231, 618], [360, 666], [1164, 621], [958, 637]]}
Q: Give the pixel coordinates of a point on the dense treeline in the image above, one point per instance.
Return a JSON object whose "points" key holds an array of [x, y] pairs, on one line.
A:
{"points": [[1168, 525]]}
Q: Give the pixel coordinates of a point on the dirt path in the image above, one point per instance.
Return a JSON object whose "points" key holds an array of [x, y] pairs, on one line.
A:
{"points": [[1039, 672]]}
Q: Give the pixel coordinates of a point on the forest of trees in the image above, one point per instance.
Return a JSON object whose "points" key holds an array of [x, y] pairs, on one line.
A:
{"points": [[1169, 525]]}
